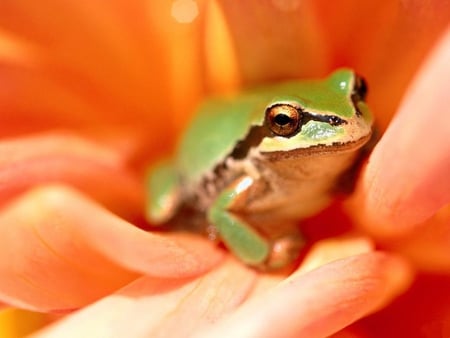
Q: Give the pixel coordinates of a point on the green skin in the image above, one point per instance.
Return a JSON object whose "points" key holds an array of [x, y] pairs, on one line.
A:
{"points": [[252, 184]]}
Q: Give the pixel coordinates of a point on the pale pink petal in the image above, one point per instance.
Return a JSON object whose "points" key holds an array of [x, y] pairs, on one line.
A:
{"points": [[331, 249], [160, 308], [61, 251], [320, 302], [320, 253], [407, 178]]}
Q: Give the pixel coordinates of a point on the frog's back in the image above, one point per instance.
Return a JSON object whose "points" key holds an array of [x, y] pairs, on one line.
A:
{"points": [[213, 133]]}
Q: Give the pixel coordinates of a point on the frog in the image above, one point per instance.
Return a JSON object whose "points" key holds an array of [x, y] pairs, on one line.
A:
{"points": [[252, 165]]}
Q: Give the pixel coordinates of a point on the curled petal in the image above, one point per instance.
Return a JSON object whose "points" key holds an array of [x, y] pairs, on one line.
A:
{"points": [[65, 157], [321, 302], [56, 243], [406, 180]]}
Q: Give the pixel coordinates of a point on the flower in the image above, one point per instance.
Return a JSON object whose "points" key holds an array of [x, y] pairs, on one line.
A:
{"points": [[90, 90]]}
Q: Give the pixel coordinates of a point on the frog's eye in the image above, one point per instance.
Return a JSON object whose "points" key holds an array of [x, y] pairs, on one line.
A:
{"points": [[360, 87], [283, 119]]}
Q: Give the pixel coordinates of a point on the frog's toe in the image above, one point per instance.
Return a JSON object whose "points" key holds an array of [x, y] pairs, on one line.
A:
{"points": [[162, 186], [285, 250]]}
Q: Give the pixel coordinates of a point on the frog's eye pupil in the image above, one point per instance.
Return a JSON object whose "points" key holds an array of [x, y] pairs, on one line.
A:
{"points": [[283, 119]]}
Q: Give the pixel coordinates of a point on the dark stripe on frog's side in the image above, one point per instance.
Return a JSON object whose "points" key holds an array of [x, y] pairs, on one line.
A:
{"points": [[222, 175]]}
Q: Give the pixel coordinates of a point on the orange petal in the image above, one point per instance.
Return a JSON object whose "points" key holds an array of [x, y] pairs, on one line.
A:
{"points": [[182, 40], [407, 180], [15, 323], [320, 302], [428, 245], [85, 63], [274, 39], [62, 251], [425, 306], [65, 157], [158, 308]]}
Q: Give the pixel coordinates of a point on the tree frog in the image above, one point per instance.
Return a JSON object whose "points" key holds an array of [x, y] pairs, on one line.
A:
{"points": [[256, 163]]}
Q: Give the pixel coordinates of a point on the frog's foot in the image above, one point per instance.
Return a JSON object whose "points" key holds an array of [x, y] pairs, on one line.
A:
{"points": [[212, 233], [238, 236], [284, 251], [164, 196], [245, 241]]}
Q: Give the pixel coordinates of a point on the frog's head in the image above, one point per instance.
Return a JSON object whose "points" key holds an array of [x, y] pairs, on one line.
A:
{"points": [[320, 115]]}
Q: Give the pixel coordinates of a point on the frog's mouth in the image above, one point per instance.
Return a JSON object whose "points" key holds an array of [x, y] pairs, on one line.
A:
{"points": [[318, 149]]}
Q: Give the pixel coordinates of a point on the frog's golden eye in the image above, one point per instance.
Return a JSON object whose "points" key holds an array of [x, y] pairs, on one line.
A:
{"points": [[283, 119]]}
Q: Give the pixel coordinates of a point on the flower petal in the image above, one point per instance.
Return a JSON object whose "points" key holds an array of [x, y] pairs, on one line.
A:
{"points": [[96, 61], [55, 242], [331, 249], [320, 302], [20, 323], [406, 180], [425, 305], [428, 245], [321, 252], [275, 39], [65, 157], [159, 308]]}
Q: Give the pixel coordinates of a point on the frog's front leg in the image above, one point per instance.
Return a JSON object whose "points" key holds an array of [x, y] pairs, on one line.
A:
{"points": [[239, 237], [279, 246]]}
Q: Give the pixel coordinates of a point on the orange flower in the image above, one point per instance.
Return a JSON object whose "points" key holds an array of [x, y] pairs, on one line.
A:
{"points": [[91, 92]]}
